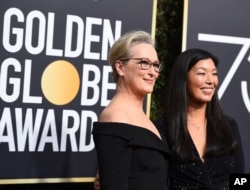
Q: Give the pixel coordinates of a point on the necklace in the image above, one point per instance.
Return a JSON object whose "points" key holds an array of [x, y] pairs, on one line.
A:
{"points": [[199, 127], [195, 127]]}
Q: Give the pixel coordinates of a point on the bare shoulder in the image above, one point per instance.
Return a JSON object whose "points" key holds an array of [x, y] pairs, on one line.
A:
{"points": [[114, 114]]}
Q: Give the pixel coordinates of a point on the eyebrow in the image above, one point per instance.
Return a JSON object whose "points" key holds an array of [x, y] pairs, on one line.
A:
{"points": [[203, 68], [156, 61]]}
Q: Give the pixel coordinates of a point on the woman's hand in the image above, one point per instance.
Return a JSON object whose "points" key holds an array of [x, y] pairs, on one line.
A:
{"points": [[97, 182]]}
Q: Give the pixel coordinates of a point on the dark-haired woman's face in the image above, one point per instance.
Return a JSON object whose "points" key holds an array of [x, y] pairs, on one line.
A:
{"points": [[202, 81]]}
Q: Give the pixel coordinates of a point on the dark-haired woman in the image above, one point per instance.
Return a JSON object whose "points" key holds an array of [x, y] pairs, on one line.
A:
{"points": [[205, 142]]}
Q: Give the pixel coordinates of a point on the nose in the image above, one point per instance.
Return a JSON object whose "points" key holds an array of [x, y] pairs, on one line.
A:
{"points": [[210, 78], [152, 70]]}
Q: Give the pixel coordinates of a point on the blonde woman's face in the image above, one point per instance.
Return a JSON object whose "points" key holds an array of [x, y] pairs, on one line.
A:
{"points": [[202, 81], [136, 79]]}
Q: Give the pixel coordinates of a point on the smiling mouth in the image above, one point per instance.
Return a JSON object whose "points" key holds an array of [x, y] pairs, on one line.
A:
{"points": [[207, 90]]}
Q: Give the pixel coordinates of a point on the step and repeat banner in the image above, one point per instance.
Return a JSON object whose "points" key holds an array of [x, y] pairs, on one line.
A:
{"points": [[222, 27], [55, 81]]}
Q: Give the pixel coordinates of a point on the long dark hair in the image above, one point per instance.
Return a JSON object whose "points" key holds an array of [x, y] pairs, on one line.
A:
{"points": [[219, 137]]}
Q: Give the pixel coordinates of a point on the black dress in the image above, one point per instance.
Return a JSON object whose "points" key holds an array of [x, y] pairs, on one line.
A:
{"points": [[213, 174], [130, 157]]}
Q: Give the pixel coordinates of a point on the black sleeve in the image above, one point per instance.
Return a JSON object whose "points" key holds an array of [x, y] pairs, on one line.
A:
{"points": [[239, 155], [114, 161]]}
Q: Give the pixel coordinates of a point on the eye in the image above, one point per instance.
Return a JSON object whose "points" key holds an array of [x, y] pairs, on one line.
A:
{"points": [[156, 65], [144, 62], [201, 73]]}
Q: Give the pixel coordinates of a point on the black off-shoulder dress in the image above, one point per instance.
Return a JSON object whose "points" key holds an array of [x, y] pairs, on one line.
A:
{"points": [[131, 157]]}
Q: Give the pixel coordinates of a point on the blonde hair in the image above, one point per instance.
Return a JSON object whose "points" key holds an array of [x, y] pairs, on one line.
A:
{"points": [[121, 47]]}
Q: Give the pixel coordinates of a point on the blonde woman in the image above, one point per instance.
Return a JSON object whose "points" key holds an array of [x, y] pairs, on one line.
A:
{"points": [[132, 152]]}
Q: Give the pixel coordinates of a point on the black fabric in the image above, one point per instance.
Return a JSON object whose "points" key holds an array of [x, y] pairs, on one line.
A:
{"points": [[136, 159], [213, 174]]}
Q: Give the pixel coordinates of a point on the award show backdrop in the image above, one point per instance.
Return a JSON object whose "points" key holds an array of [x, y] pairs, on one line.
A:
{"points": [[55, 80], [222, 27]]}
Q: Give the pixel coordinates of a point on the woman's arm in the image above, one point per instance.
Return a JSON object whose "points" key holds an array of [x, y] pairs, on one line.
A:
{"points": [[114, 157]]}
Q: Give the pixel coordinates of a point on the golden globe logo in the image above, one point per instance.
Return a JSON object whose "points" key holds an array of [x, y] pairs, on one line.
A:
{"points": [[60, 82]]}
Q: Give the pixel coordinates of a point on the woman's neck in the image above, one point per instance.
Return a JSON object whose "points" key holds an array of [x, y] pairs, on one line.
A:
{"points": [[196, 116], [128, 102]]}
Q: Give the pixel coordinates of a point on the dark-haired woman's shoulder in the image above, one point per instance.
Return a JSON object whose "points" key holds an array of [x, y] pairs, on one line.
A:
{"points": [[161, 122], [234, 127], [232, 123], [230, 118]]}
